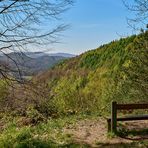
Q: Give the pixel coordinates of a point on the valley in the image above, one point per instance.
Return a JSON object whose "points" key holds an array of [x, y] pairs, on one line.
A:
{"points": [[32, 63]]}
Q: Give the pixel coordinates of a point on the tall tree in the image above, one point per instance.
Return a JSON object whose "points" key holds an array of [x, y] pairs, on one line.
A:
{"points": [[138, 69]]}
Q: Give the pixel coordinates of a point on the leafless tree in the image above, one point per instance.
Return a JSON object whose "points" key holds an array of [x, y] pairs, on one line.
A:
{"points": [[140, 10], [27, 23]]}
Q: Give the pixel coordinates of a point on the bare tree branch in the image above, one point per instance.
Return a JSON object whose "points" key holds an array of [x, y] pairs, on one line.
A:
{"points": [[29, 22], [140, 10]]}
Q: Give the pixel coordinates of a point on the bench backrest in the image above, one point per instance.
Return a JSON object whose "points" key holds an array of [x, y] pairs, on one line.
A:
{"points": [[131, 106], [115, 107]]}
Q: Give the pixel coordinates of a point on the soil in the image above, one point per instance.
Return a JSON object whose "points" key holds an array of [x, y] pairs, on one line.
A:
{"points": [[94, 132]]}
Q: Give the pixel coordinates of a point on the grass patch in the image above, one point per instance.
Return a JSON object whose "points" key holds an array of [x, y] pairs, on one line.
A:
{"points": [[47, 134]]}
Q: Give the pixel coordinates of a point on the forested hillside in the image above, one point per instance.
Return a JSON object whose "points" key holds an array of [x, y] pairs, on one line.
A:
{"points": [[89, 82], [86, 83]]}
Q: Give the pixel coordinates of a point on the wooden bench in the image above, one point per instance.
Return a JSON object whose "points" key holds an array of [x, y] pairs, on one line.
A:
{"points": [[112, 122]]}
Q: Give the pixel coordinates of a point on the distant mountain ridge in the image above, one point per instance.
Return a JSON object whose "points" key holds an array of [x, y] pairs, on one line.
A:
{"points": [[39, 54], [31, 63], [62, 55]]}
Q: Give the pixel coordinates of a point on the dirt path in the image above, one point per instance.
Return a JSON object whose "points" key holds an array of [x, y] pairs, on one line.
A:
{"points": [[94, 133]]}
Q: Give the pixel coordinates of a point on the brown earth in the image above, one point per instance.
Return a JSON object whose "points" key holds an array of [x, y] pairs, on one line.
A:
{"points": [[94, 133]]}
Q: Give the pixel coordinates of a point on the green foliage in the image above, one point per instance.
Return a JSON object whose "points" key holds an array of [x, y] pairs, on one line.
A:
{"points": [[89, 83], [136, 67], [43, 135], [3, 89], [3, 93]]}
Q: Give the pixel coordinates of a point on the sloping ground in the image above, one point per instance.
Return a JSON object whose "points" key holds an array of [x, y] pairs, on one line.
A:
{"points": [[94, 133], [89, 82], [70, 132]]}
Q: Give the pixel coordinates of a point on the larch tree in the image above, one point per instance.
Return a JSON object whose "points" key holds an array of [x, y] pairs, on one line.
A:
{"points": [[138, 68]]}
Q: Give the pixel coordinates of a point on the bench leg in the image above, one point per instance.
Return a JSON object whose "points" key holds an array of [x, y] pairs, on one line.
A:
{"points": [[114, 117], [109, 125]]}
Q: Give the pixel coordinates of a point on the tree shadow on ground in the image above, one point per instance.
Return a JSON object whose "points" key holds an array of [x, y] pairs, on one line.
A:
{"points": [[122, 145], [38, 143], [133, 134]]}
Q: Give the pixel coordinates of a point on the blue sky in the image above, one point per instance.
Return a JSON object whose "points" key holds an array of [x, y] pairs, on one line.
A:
{"points": [[92, 23]]}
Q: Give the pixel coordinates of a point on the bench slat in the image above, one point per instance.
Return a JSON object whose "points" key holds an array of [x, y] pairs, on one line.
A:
{"points": [[130, 118], [131, 106]]}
